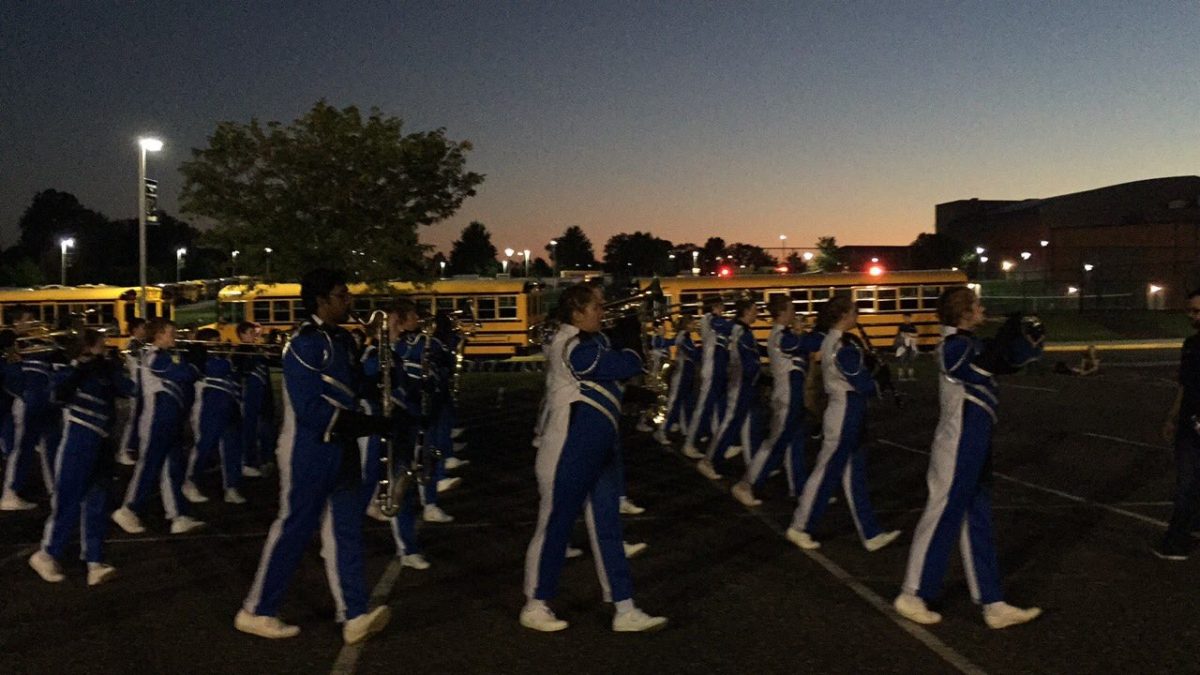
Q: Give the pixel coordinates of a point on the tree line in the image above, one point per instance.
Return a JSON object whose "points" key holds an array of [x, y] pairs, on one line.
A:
{"points": [[338, 187]]}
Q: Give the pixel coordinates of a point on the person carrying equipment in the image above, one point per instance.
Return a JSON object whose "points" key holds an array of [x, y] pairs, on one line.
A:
{"points": [[714, 376], [744, 367]]}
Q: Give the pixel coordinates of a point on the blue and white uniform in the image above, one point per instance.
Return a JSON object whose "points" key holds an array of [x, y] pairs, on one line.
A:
{"points": [[789, 354], [411, 386], [959, 509], [167, 395], [679, 398], [404, 524], [577, 465], [217, 421], [258, 412], [83, 469], [320, 482], [133, 366], [744, 368], [848, 384], [714, 376], [35, 423]]}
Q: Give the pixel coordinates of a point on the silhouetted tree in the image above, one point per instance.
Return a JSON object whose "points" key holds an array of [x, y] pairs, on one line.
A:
{"points": [[473, 252]]}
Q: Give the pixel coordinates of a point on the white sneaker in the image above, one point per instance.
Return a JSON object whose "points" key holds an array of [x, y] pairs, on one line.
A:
{"points": [[637, 621], [453, 463], [125, 459], [415, 561], [374, 513], [128, 520], [364, 626], [232, 496], [745, 494], [264, 626], [691, 452], [183, 524], [880, 540], [643, 427], [628, 508], [46, 566], [456, 432], [661, 438], [192, 493], [99, 573], [251, 472], [802, 539], [434, 514], [913, 608], [706, 469], [13, 502], [1003, 615], [448, 484], [539, 617], [573, 552], [634, 550]]}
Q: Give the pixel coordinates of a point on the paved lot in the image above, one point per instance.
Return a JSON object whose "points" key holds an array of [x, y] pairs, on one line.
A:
{"points": [[1082, 487]]}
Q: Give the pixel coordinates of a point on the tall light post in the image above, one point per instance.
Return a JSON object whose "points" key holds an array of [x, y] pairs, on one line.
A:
{"points": [[782, 248], [268, 250], [145, 144], [63, 245], [526, 263], [442, 268], [695, 263], [508, 254], [554, 258], [179, 253], [234, 256]]}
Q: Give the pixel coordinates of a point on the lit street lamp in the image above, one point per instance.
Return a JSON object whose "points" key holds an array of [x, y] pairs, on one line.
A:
{"points": [[782, 248], [695, 263], [526, 252], [1088, 267], [554, 257], [179, 253], [1044, 243], [63, 245], [145, 144], [268, 250], [808, 256], [234, 255], [508, 254], [979, 250], [442, 265], [1026, 255]]}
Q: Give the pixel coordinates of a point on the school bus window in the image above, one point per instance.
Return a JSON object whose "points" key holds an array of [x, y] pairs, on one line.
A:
{"points": [[486, 308], [910, 298], [886, 299], [929, 296], [281, 311], [508, 306], [689, 303], [820, 294], [445, 304], [362, 304], [231, 312], [424, 305], [262, 311], [800, 300], [107, 313], [864, 298]]}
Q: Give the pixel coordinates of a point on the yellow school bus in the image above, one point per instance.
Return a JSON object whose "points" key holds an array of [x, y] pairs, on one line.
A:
{"points": [[882, 299], [96, 305], [504, 309]]}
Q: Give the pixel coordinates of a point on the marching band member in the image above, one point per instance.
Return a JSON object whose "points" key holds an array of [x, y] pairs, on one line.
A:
{"points": [[683, 375], [35, 428], [318, 470], [455, 341], [906, 348], [412, 384], [744, 366], [848, 384], [577, 465], [217, 421], [789, 353], [166, 398], [127, 448], [88, 388], [1182, 430], [660, 353], [714, 363], [258, 405], [959, 507]]}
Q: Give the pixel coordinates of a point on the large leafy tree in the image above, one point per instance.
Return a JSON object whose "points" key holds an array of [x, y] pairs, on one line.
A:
{"points": [[474, 252], [573, 250], [332, 188], [750, 255], [638, 254], [931, 251], [713, 248], [828, 258]]}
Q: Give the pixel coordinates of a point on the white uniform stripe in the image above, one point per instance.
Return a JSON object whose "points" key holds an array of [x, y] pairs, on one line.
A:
{"points": [[286, 447]]}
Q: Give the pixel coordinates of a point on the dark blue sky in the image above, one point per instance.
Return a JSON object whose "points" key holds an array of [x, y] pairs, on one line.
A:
{"points": [[743, 120]]}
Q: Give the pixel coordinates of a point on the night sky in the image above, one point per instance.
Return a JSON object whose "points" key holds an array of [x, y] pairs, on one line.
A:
{"points": [[742, 120]]}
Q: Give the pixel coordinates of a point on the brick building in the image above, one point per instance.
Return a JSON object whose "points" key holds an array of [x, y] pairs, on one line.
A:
{"points": [[1119, 242]]}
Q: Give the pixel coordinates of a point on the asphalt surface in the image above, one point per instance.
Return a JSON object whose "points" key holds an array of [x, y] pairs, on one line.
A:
{"points": [[1083, 485]]}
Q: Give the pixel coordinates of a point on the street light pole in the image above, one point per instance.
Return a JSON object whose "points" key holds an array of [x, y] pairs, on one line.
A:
{"points": [[144, 145], [179, 253], [64, 244], [526, 263], [554, 259], [268, 251], [234, 255]]}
